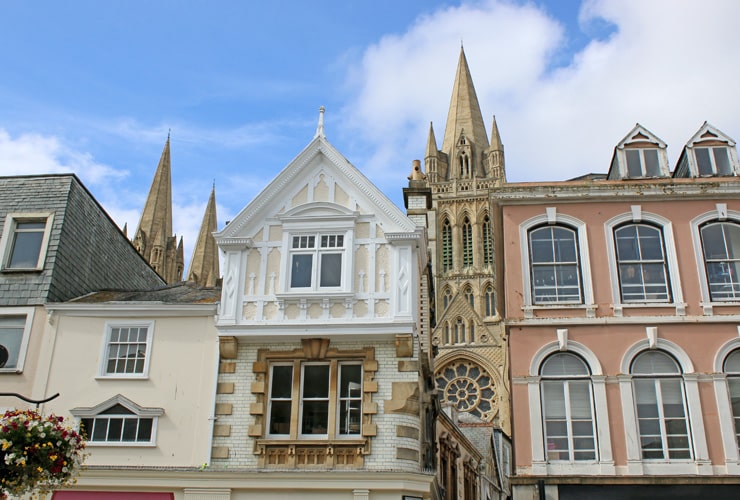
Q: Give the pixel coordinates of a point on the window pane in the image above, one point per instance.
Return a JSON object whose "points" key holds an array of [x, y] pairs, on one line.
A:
{"points": [[129, 429], [144, 432], [732, 362], [561, 364], [350, 403], [316, 381], [281, 390], [300, 276], [280, 417], [634, 165], [282, 382], [11, 337], [722, 161], [100, 429], [331, 269], [26, 248], [315, 417], [652, 168], [654, 362], [114, 429], [703, 161]]}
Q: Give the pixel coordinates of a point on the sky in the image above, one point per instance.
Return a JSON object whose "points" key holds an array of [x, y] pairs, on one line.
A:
{"points": [[94, 87]]}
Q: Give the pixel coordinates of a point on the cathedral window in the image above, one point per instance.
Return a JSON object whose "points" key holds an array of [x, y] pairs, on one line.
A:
{"points": [[446, 245], [469, 296], [490, 302], [487, 242], [446, 297], [467, 238], [467, 387], [464, 161], [24, 241], [460, 334]]}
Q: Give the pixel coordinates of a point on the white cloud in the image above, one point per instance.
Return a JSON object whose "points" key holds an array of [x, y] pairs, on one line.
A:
{"points": [[668, 65]]}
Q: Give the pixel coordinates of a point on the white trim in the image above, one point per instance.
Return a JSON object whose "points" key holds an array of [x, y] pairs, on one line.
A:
{"points": [[724, 407], [720, 214], [138, 411], [28, 312], [700, 463], [6, 242], [553, 217], [109, 326], [669, 244], [604, 464]]}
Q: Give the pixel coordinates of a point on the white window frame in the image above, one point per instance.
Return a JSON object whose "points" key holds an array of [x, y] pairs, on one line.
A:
{"points": [[316, 252], [636, 465], [109, 326], [334, 400], [7, 242], [720, 214], [28, 312], [643, 164], [713, 164], [604, 464], [637, 216], [137, 411], [724, 407], [552, 216]]}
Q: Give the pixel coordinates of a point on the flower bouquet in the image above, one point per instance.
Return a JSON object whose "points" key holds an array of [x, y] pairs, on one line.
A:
{"points": [[37, 453]]}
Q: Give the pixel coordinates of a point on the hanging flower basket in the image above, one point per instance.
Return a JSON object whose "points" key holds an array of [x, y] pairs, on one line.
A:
{"points": [[37, 453]]}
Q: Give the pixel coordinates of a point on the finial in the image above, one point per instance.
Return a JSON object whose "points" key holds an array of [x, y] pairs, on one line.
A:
{"points": [[320, 127]]}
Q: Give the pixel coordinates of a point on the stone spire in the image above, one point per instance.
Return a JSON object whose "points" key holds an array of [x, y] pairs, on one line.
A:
{"points": [[153, 238], [465, 129], [204, 268], [496, 163], [431, 157]]}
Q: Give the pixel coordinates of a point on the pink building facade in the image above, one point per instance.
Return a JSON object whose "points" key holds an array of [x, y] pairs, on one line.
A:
{"points": [[622, 299]]}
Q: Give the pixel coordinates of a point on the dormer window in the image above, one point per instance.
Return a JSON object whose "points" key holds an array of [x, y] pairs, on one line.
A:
{"points": [[642, 162], [708, 153], [641, 154], [713, 161], [316, 261]]}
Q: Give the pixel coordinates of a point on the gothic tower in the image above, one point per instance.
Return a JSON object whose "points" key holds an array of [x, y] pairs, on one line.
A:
{"points": [[153, 238], [204, 268], [452, 198]]}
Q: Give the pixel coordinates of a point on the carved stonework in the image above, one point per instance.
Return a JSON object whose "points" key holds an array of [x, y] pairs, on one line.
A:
{"points": [[404, 398], [469, 388]]}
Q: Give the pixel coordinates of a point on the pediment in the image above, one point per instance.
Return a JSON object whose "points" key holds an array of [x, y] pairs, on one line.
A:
{"points": [[460, 307], [641, 136], [319, 168], [710, 133], [117, 400]]}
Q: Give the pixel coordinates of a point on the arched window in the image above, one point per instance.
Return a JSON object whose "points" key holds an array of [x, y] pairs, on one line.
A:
{"points": [[554, 264], [660, 406], [460, 335], [467, 240], [720, 243], [490, 301], [732, 369], [469, 296], [487, 242], [448, 339], [446, 245], [641, 263], [446, 298], [567, 408]]}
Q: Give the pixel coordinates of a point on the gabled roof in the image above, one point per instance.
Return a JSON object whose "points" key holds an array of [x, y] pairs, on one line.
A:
{"points": [[639, 136], [707, 135], [319, 156], [118, 399]]}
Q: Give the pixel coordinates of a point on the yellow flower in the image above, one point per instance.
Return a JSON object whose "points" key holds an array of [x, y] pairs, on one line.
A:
{"points": [[6, 444]]}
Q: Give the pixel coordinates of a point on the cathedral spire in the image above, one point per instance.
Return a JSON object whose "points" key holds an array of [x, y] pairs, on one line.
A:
{"points": [[464, 115], [496, 163], [153, 238], [204, 268]]}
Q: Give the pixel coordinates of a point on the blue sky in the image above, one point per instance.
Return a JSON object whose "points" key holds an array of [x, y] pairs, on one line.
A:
{"points": [[93, 87]]}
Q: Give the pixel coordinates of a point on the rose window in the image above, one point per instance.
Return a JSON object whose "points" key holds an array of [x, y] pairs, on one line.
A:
{"points": [[467, 387]]}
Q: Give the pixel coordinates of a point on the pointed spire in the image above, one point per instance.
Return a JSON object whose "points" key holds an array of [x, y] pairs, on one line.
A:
{"points": [[153, 238], [496, 144], [464, 113], [431, 143], [204, 269], [320, 127]]}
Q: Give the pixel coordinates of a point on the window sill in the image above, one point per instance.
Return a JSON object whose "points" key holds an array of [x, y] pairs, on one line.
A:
{"points": [[101, 444], [529, 310], [20, 270], [708, 307], [313, 294], [117, 376], [351, 440], [680, 308], [12, 371]]}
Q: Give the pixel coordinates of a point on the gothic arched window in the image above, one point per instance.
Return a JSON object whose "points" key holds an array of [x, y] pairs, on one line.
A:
{"points": [[487, 242], [446, 245], [467, 240], [469, 295], [490, 301]]}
